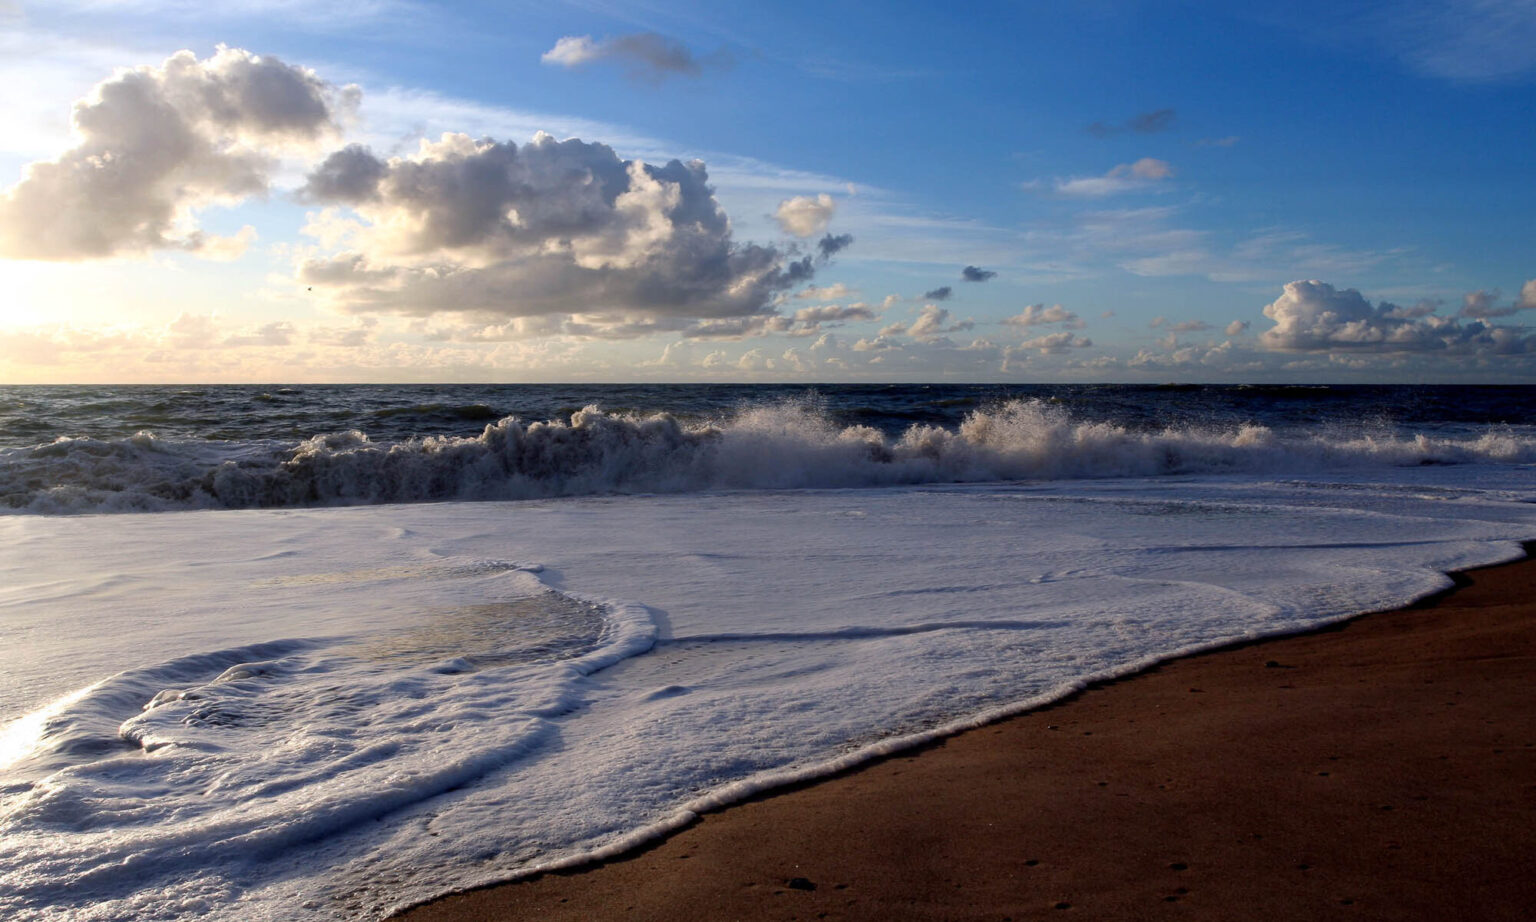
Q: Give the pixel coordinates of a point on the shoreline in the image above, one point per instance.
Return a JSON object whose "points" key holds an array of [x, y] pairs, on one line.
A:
{"points": [[1382, 766]]}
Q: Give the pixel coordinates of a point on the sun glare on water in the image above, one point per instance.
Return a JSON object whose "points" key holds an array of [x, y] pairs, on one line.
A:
{"points": [[25, 735]]}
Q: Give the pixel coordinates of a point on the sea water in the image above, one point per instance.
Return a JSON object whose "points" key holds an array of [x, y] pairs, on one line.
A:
{"points": [[323, 653]]}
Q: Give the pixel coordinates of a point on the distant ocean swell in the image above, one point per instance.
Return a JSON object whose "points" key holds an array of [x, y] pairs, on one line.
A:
{"points": [[779, 446]]}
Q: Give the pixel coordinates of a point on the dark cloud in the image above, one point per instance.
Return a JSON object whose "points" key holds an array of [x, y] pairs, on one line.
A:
{"points": [[976, 274], [646, 55], [1314, 316], [1152, 122], [938, 294], [562, 230], [832, 313], [350, 175], [831, 245], [1144, 123], [156, 143], [1484, 305]]}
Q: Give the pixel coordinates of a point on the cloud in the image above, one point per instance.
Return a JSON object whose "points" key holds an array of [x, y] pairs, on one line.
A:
{"points": [[1228, 141], [1484, 305], [1190, 326], [156, 143], [564, 231], [976, 274], [1127, 177], [1144, 123], [1462, 40], [830, 245], [1313, 316], [1038, 314], [825, 292], [1237, 328], [1052, 344], [933, 321], [813, 317], [1146, 241], [804, 216], [1153, 122], [938, 294], [276, 333], [645, 55]]}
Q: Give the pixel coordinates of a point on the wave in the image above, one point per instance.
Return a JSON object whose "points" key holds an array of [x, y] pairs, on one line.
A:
{"points": [[779, 446]]}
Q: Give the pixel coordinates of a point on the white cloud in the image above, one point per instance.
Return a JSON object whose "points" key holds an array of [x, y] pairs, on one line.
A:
{"points": [[1237, 327], [1053, 343], [1313, 316], [933, 322], [561, 230], [804, 216], [1037, 314], [1148, 242], [647, 55], [1126, 177], [332, 14], [156, 143], [1463, 40], [833, 292]]}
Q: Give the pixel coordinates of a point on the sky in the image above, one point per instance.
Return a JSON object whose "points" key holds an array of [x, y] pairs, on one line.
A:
{"points": [[1106, 190]]}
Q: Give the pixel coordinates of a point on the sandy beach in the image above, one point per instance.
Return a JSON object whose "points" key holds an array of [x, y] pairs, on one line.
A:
{"points": [[1380, 769]]}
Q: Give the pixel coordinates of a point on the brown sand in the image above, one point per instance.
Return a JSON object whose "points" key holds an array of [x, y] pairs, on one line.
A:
{"points": [[1384, 769]]}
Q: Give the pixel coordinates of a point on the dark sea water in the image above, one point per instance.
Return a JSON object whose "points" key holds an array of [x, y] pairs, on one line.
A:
{"points": [[150, 448]]}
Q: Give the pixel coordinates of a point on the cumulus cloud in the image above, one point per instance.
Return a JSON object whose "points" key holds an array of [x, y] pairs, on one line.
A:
{"points": [[938, 294], [1038, 314], [1483, 305], [1143, 123], [1313, 316], [155, 143], [1126, 177], [976, 274], [804, 216], [564, 231], [646, 55], [1237, 328], [933, 322], [1052, 343]]}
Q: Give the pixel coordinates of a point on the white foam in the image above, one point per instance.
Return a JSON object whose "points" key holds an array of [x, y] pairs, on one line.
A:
{"points": [[475, 691], [789, 445]]}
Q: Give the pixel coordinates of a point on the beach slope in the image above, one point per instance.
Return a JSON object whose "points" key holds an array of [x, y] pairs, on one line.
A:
{"points": [[1380, 769]]}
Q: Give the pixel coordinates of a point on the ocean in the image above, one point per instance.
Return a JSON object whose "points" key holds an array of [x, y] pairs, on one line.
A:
{"points": [[322, 652]]}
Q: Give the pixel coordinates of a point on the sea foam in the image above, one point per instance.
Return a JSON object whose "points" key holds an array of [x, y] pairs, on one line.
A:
{"points": [[785, 445], [330, 713]]}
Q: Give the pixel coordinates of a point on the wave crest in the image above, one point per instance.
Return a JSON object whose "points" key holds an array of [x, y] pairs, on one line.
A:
{"points": [[788, 445]]}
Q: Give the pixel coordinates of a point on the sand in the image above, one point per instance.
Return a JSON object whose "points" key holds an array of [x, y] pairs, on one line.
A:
{"points": [[1382, 769]]}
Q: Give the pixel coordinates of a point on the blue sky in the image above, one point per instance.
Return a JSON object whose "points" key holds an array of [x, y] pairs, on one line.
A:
{"points": [[1142, 191]]}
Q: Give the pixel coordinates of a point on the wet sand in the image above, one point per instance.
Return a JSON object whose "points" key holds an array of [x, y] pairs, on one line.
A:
{"points": [[1382, 769]]}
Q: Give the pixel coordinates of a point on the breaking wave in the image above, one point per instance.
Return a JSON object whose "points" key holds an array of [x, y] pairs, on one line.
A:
{"points": [[790, 445]]}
